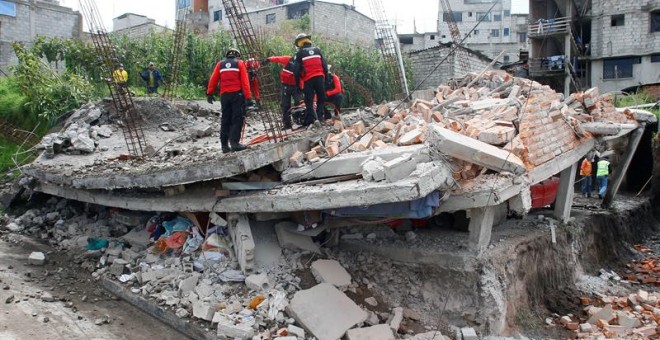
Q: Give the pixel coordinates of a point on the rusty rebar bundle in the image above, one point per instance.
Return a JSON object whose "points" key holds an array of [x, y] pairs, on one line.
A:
{"points": [[175, 58], [121, 96], [251, 47]]}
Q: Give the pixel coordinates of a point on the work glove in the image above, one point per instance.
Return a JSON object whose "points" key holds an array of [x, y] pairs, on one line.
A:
{"points": [[251, 103], [209, 98], [265, 61]]}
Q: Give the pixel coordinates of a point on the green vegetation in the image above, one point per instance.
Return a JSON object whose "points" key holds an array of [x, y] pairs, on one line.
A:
{"points": [[638, 98]]}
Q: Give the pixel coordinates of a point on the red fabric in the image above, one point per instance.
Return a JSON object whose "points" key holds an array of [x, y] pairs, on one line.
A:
{"points": [[286, 75], [177, 240], [312, 65], [231, 75], [254, 86], [337, 88]]}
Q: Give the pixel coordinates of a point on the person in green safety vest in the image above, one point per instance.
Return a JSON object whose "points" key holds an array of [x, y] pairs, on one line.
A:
{"points": [[602, 170]]}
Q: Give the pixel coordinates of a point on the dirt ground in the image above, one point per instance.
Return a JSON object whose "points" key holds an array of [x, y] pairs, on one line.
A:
{"points": [[78, 303]]}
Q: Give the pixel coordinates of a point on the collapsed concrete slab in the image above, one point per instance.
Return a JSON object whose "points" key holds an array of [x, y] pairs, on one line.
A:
{"points": [[427, 178], [378, 332], [471, 150], [350, 163], [560, 163], [325, 311], [330, 271]]}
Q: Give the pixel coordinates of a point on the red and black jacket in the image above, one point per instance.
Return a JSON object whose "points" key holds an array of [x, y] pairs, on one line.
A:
{"points": [[286, 75], [310, 63], [231, 75]]}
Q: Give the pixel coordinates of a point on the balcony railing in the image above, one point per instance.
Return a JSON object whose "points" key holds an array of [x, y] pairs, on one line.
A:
{"points": [[548, 66], [545, 27]]}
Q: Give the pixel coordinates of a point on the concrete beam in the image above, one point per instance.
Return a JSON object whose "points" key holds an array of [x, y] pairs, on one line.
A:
{"points": [[298, 197], [241, 236], [561, 162], [565, 192], [640, 115], [147, 177], [622, 168], [200, 199], [481, 193], [351, 163], [481, 227], [606, 129], [471, 150]]}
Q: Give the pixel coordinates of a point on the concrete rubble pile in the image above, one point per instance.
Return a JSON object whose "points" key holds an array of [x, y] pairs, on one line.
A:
{"points": [[515, 115], [167, 259]]}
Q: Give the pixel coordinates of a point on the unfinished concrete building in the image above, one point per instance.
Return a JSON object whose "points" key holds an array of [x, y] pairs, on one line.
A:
{"points": [[607, 44]]}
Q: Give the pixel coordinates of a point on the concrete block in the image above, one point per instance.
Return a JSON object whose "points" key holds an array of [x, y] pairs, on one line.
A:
{"points": [[606, 313], [481, 227], [217, 220], [497, 135], [325, 311], [474, 151], [293, 241], [241, 235], [187, 285], [626, 320], [469, 333], [397, 317], [228, 328], [297, 331], [257, 282], [203, 310], [117, 267], [37, 258], [399, 168], [330, 271], [411, 137], [296, 160], [373, 170], [378, 332]]}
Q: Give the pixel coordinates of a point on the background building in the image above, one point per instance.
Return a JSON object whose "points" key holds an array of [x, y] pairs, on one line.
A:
{"points": [[23, 21], [135, 25]]}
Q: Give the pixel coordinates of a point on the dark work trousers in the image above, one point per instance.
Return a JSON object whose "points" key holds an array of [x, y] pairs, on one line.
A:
{"points": [[288, 92], [313, 86], [336, 102], [233, 115]]}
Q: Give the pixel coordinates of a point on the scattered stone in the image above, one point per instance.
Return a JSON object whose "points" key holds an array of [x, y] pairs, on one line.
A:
{"points": [[295, 330], [257, 282], [469, 333], [203, 310], [182, 312], [99, 322], [332, 272], [397, 317], [37, 258], [9, 299], [410, 236], [188, 285], [411, 314], [47, 297], [45, 319], [371, 301], [378, 332]]}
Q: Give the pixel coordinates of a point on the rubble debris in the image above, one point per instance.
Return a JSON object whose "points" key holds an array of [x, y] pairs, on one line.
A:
{"points": [[469, 333], [37, 258], [395, 319], [325, 311], [257, 282], [294, 241], [330, 271]]}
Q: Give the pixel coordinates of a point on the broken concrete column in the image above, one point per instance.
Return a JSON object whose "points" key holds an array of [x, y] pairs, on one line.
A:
{"points": [[605, 129], [241, 236], [520, 204], [481, 226], [565, 192], [325, 311], [622, 167], [474, 151]]}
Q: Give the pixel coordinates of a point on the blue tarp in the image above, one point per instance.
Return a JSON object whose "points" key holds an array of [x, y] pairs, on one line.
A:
{"points": [[7, 8], [420, 208]]}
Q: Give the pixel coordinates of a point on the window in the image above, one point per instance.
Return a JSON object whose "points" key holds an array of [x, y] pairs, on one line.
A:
{"points": [[497, 17], [297, 10], [483, 16], [270, 18], [618, 20], [406, 40], [432, 36], [7, 8], [655, 21], [495, 33], [522, 37], [217, 15], [616, 68], [476, 32], [507, 13], [505, 32], [655, 58], [470, 14], [458, 16]]}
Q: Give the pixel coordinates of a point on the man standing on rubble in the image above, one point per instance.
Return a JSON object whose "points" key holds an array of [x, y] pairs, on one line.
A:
{"points": [[290, 89], [312, 69], [230, 74], [333, 92], [585, 172], [602, 170]]}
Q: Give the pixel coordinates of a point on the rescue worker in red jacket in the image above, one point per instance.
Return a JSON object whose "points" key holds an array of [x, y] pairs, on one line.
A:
{"points": [[290, 89], [312, 70], [252, 69], [230, 74], [333, 92]]}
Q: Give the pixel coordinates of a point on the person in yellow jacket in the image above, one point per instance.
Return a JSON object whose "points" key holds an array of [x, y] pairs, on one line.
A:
{"points": [[585, 172], [120, 75], [602, 170]]}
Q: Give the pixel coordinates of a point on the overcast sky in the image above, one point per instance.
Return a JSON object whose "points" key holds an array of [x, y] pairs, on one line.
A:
{"points": [[423, 13]]}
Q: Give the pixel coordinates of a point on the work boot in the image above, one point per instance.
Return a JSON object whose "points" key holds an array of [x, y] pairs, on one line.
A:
{"points": [[225, 148], [238, 147]]}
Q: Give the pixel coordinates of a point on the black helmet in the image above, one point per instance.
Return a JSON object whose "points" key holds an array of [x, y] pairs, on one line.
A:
{"points": [[233, 53], [301, 39]]}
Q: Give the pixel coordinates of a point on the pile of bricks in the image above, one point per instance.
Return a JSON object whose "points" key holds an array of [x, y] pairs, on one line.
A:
{"points": [[646, 270], [635, 315], [519, 115]]}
